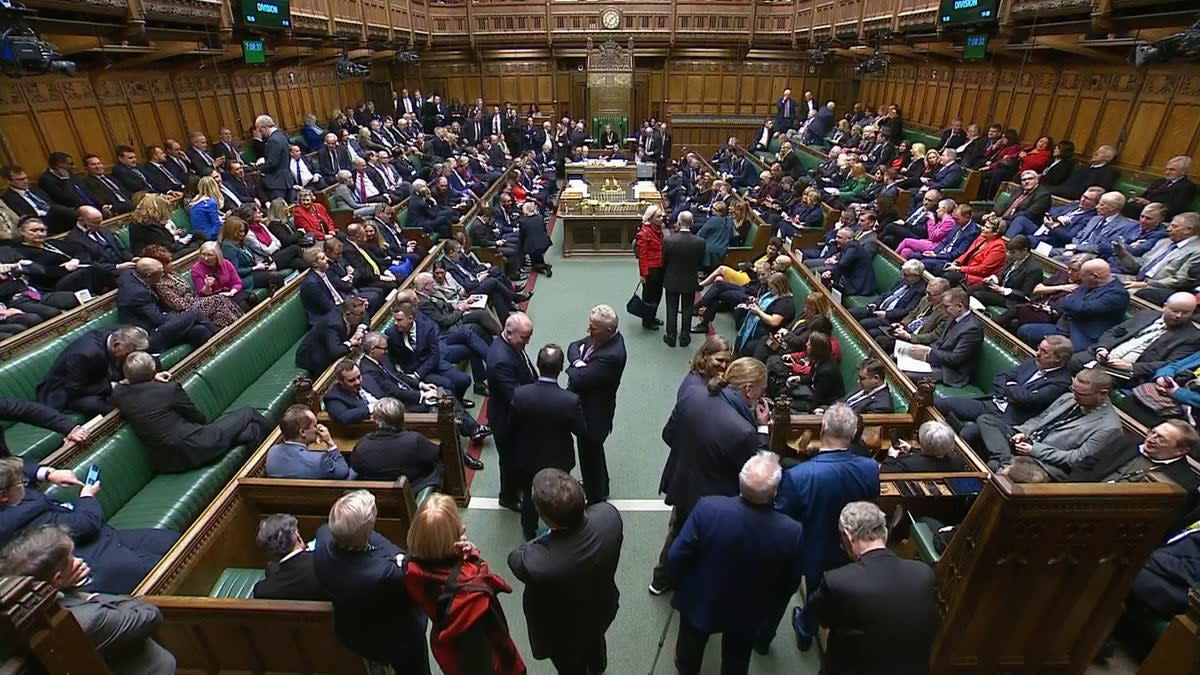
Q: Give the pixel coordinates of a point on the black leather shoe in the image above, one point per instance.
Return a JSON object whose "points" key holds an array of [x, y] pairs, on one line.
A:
{"points": [[685, 340], [511, 504], [468, 403], [472, 463], [522, 297], [700, 329], [481, 389], [670, 340], [481, 432], [651, 326]]}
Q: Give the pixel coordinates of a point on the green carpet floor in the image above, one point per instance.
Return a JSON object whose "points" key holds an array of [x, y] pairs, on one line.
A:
{"points": [[635, 455]]}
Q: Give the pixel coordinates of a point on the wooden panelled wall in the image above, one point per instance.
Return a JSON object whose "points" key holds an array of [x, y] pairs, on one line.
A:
{"points": [[94, 113], [1149, 115]]}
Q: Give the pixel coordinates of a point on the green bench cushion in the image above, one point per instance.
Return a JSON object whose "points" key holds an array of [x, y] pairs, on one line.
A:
{"points": [[994, 358], [30, 442], [20, 374], [853, 354], [922, 538], [237, 582], [173, 500], [887, 275]]}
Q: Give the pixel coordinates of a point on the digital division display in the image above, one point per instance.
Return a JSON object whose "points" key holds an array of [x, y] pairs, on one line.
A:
{"points": [[267, 13], [964, 12]]}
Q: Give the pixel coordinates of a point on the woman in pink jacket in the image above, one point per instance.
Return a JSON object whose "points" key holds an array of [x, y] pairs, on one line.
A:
{"points": [[941, 226]]}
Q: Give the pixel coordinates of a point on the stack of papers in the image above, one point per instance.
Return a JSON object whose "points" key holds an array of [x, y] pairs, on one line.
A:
{"points": [[905, 360]]}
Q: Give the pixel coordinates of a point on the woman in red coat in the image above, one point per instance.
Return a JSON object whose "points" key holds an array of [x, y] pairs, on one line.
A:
{"points": [[453, 585], [985, 256], [648, 246], [312, 217]]}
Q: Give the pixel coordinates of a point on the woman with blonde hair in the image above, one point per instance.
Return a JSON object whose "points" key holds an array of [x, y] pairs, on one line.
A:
{"points": [[206, 207], [150, 224], [711, 433], [212, 275], [709, 361], [448, 579], [178, 295], [773, 309], [647, 248]]}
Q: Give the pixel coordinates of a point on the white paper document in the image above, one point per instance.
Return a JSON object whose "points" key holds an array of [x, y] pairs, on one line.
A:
{"points": [[1043, 249], [905, 360]]}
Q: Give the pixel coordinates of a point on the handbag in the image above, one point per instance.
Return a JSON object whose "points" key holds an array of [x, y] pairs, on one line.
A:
{"points": [[639, 307]]}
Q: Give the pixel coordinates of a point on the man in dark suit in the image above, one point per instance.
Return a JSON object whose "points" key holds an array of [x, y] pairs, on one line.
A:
{"points": [[949, 175], [321, 292], [127, 174], [1099, 171], [735, 557], [852, 272], [542, 418], [820, 125], [93, 243], [119, 559], [138, 305], [238, 188], [81, 377], [953, 136], [1099, 303], [362, 571], [347, 401], [177, 435], [333, 336], [290, 574], [26, 200], [1165, 449], [881, 610], [1032, 202], [273, 165], [178, 162], [203, 161], [508, 367], [331, 158], [971, 149], [571, 594], [1137, 347], [160, 176], [596, 365], [1174, 190], [953, 354], [60, 184], [872, 395], [1017, 393], [106, 194], [890, 307], [682, 256], [814, 492], [414, 343], [226, 147]]}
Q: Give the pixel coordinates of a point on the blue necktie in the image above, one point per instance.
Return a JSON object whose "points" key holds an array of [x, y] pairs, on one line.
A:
{"points": [[38, 202]]}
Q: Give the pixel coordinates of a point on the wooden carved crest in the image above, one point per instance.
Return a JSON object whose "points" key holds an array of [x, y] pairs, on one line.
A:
{"points": [[610, 57]]}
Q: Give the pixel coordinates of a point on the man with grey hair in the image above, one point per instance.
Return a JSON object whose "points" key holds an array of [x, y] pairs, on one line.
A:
{"points": [[900, 300], [82, 376], [1174, 190], [682, 257], [273, 165], [935, 452], [290, 574], [175, 432], [363, 573], [597, 363], [1099, 171], [881, 610], [508, 367], [814, 491], [733, 560]]}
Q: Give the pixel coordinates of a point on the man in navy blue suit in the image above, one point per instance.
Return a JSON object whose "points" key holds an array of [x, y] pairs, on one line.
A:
{"points": [[332, 336], [119, 559], [542, 419], [139, 305], [81, 378], [852, 273], [949, 175], [1061, 223], [508, 367], [596, 365], [734, 558], [814, 492], [320, 291], [363, 573], [956, 242], [93, 243], [414, 343], [1018, 393], [894, 305]]}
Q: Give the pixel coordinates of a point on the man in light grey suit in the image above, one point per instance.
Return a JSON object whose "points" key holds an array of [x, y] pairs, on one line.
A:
{"points": [[121, 628], [953, 354], [1136, 348], [1165, 267], [1079, 424]]}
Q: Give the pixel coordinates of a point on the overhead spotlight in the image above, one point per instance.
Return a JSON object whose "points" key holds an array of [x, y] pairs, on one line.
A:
{"points": [[22, 52], [1183, 46], [347, 69], [819, 55]]}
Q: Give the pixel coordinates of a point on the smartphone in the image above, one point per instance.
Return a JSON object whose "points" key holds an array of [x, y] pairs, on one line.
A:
{"points": [[93, 475]]}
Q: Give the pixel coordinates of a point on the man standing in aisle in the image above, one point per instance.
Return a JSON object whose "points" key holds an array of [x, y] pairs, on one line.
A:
{"points": [[682, 255], [508, 367], [596, 365]]}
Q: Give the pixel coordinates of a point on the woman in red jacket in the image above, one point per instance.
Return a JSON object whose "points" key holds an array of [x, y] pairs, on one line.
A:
{"points": [[985, 256], [648, 246], [312, 217]]}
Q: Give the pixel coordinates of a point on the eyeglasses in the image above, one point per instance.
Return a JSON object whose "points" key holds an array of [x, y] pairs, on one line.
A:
{"points": [[24, 482]]}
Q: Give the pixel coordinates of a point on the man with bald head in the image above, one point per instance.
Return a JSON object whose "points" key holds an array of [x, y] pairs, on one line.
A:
{"points": [[508, 367], [1138, 346], [1098, 304], [93, 243], [139, 305], [1102, 229]]}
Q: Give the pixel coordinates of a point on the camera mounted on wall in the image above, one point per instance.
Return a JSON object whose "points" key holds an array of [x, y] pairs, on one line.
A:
{"points": [[22, 52]]}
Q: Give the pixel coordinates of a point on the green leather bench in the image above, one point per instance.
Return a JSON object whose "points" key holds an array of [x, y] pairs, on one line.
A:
{"points": [[20, 376], [922, 536], [767, 156], [993, 359], [255, 369], [887, 275], [237, 582]]}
